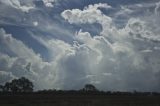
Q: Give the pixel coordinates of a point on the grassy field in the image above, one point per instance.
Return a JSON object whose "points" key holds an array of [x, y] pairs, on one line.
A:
{"points": [[77, 100]]}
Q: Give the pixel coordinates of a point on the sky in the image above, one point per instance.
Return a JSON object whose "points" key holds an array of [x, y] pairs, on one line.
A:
{"points": [[65, 44]]}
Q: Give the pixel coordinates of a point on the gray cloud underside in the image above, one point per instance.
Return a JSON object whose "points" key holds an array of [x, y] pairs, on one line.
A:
{"points": [[125, 58]]}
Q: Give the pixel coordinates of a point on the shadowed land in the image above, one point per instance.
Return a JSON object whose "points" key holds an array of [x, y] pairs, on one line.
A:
{"points": [[77, 99], [21, 94]]}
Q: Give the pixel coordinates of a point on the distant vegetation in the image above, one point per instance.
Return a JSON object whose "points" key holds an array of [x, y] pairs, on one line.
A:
{"points": [[19, 92], [24, 85], [18, 85]]}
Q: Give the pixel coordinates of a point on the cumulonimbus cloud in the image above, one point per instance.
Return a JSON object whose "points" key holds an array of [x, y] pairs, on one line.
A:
{"points": [[116, 44]]}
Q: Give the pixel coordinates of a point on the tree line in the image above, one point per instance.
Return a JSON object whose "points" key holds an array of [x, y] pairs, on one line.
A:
{"points": [[17, 85], [24, 85]]}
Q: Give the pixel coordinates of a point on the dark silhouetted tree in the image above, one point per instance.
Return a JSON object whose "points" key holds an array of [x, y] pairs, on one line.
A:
{"points": [[7, 87], [19, 85], [1, 88], [89, 87]]}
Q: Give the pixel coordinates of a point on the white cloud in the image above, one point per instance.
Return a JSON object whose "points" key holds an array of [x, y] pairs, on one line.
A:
{"points": [[40, 72], [124, 11], [157, 8], [14, 45], [35, 23], [6, 76], [112, 43], [142, 30], [27, 5], [90, 14], [90, 76], [49, 3], [100, 5], [157, 48], [146, 51], [107, 74]]}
